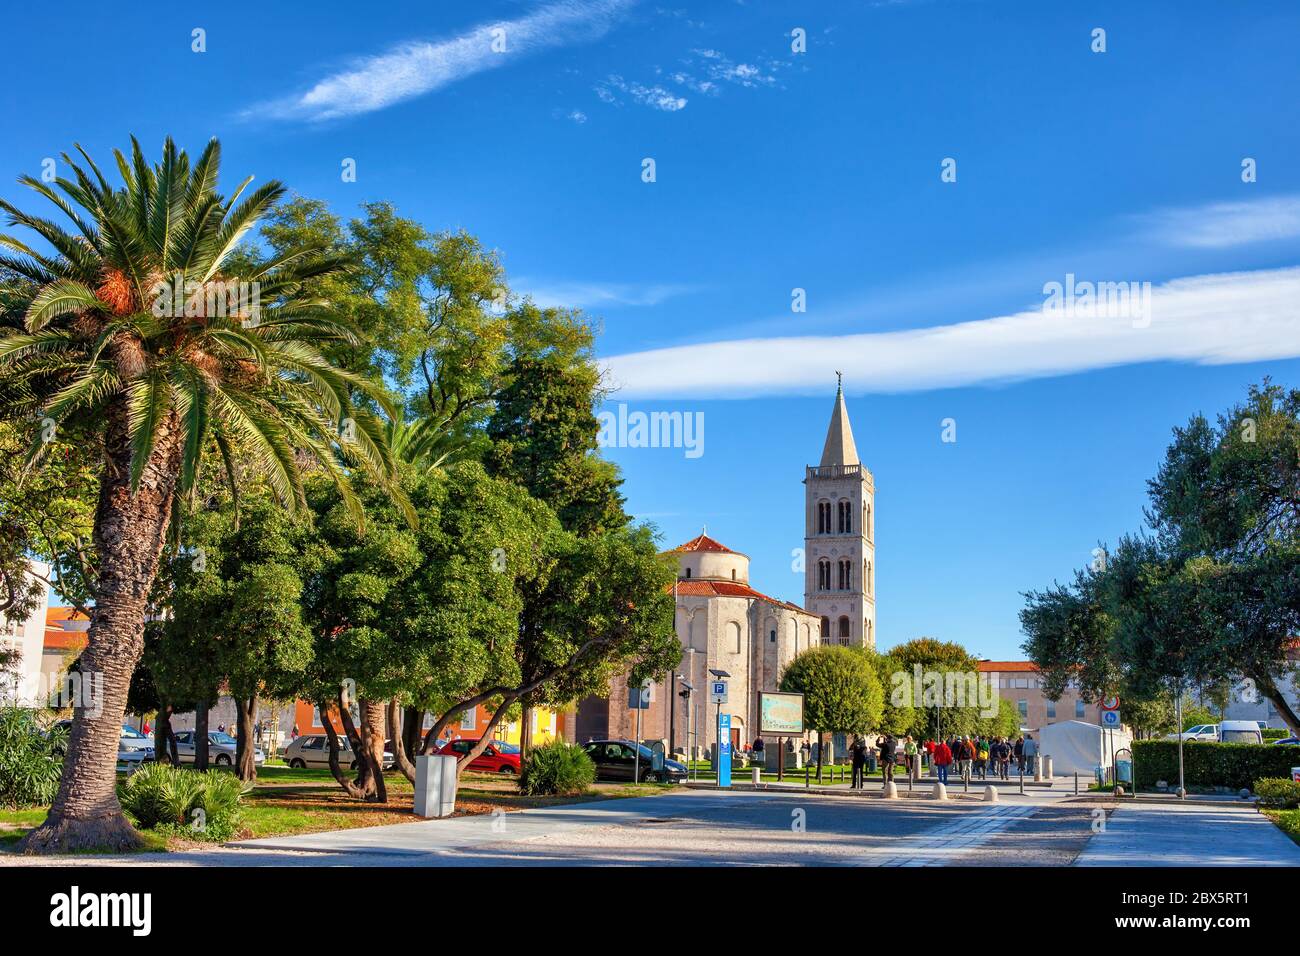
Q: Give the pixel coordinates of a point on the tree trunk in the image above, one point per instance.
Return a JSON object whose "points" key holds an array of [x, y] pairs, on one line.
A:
{"points": [[365, 773], [525, 729], [130, 529], [164, 741], [245, 745], [201, 735], [398, 735], [351, 787], [373, 720], [412, 721]]}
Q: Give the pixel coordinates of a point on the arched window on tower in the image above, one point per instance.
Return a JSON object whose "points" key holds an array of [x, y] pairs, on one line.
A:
{"points": [[845, 575], [844, 630], [869, 579], [826, 630], [823, 517], [866, 520], [846, 517], [871, 633], [824, 575]]}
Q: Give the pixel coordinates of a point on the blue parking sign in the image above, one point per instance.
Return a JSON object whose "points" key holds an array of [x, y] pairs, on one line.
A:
{"points": [[724, 750]]}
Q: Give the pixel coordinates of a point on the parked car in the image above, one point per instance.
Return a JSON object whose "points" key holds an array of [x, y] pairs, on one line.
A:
{"points": [[1240, 732], [133, 747], [1288, 741], [616, 760], [221, 748], [1199, 732], [313, 750], [497, 757]]}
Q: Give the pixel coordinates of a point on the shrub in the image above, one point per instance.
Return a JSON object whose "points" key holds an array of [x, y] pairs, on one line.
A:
{"points": [[200, 806], [556, 768], [1275, 733], [1206, 764], [30, 762], [1278, 793]]}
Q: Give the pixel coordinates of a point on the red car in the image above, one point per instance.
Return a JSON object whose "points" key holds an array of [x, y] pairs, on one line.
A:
{"points": [[497, 757]]}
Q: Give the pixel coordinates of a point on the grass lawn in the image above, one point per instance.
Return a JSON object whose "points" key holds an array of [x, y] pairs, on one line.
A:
{"points": [[287, 801], [1288, 822]]}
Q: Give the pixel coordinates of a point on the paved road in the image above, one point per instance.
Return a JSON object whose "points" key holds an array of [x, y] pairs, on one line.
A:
{"points": [[766, 828]]}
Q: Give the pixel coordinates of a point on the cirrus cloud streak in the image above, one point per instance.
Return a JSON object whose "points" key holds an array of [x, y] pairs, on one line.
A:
{"points": [[1209, 320]]}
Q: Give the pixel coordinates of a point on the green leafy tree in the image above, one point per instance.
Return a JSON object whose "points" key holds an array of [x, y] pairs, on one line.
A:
{"points": [[1213, 595], [128, 329], [842, 694]]}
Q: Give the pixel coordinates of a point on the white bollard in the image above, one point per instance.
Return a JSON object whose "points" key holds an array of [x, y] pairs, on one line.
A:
{"points": [[890, 792], [990, 794], [757, 776], [940, 792], [1047, 766]]}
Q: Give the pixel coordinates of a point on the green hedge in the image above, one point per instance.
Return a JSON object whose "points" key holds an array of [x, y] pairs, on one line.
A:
{"points": [[1207, 764], [1275, 733]]}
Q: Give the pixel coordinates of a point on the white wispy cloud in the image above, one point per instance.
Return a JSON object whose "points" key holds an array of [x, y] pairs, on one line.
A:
{"points": [[414, 69], [578, 294], [1215, 319], [1222, 224], [656, 96]]}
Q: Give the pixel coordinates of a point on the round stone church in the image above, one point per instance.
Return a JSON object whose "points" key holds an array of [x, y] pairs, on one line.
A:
{"points": [[725, 624]]}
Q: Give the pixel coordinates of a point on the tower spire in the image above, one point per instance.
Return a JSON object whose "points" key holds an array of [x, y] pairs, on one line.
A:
{"points": [[839, 448]]}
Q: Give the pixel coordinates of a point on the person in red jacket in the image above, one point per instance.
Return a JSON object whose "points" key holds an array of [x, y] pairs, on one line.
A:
{"points": [[942, 758]]}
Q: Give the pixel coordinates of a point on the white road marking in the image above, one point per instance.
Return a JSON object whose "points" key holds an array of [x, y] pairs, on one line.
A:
{"points": [[940, 845]]}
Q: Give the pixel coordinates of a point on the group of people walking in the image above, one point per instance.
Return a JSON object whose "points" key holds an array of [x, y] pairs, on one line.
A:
{"points": [[968, 757], [889, 749], [981, 757]]}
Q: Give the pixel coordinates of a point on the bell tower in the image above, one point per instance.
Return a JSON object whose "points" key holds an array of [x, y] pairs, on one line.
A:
{"points": [[839, 537]]}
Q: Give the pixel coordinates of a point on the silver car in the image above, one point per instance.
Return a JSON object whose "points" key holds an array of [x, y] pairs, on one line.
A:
{"points": [[133, 748], [313, 750], [221, 749]]}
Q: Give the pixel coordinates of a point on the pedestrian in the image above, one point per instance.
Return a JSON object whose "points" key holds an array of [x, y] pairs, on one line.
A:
{"points": [[1004, 759], [982, 760], [911, 756], [1020, 754], [293, 734], [888, 754], [1031, 753], [859, 754], [942, 758], [760, 751]]}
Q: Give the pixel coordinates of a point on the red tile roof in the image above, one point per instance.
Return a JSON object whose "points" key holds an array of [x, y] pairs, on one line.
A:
{"points": [[1008, 667], [703, 542], [57, 636], [701, 587]]}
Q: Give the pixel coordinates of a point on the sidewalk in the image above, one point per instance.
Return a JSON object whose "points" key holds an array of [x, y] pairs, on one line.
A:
{"points": [[1170, 834]]}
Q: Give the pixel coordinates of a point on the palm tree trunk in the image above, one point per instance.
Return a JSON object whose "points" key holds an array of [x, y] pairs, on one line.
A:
{"points": [[130, 529]]}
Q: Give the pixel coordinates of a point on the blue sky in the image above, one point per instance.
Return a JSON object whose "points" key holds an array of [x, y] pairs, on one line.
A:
{"points": [[778, 171]]}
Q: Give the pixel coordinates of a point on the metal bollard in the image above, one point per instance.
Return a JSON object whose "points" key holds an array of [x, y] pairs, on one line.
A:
{"points": [[1022, 779], [1076, 783]]}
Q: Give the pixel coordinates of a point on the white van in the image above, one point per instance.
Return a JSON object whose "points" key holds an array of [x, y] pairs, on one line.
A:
{"points": [[1240, 732]]}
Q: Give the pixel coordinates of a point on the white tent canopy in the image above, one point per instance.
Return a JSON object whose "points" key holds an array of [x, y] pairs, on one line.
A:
{"points": [[1078, 747]]}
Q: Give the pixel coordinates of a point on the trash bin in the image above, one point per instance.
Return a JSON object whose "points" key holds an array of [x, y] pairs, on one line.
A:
{"points": [[1124, 771]]}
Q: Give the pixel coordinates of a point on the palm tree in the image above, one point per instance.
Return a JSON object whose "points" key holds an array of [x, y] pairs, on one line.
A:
{"points": [[143, 323]]}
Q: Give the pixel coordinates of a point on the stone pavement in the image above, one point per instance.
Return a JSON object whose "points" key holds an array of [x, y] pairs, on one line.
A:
{"points": [[1169, 834]]}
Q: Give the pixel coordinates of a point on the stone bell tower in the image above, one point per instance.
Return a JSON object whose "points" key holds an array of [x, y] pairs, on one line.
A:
{"points": [[839, 537]]}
